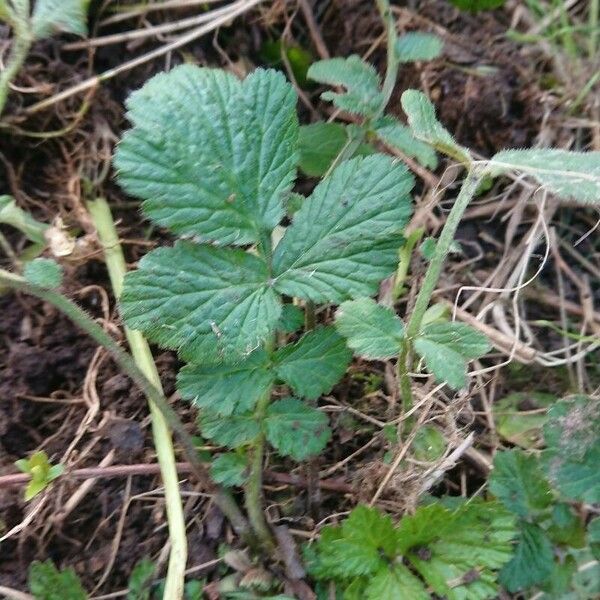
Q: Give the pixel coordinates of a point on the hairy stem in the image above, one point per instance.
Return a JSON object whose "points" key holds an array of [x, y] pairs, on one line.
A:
{"points": [[223, 499], [140, 350]]}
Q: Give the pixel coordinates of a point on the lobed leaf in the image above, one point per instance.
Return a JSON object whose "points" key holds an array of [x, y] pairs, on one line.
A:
{"points": [[574, 175], [314, 364], [417, 45], [426, 127], [371, 330], [232, 431], [395, 582], [46, 582], [295, 429], [206, 302], [363, 95], [53, 16], [227, 388], [229, 469], [344, 240], [211, 156]]}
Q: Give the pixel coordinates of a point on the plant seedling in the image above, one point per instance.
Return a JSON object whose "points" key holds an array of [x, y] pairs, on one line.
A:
{"points": [[42, 473]]}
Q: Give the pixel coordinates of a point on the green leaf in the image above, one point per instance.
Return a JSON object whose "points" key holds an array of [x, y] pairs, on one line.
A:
{"points": [[139, 585], [345, 238], [395, 583], [428, 444], [574, 175], [566, 527], [292, 318], [398, 136], [593, 537], [53, 16], [314, 364], [518, 482], [211, 156], [206, 302], [572, 456], [46, 582], [416, 45], [372, 330], [229, 469], [227, 388], [426, 127], [447, 348], [233, 431], [362, 96], [532, 562], [44, 273], [11, 214], [295, 429], [477, 5]]}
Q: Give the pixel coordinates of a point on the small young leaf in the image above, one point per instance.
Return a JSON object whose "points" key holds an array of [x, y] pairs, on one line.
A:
{"points": [[572, 456], [43, 272], [532, 562], [314, 364], [226, 388], [229, 469], [206, 302], [295, 429], [426, 127], [567, 174], [292, 318], [139, 585], [416, 45], [398, 136], [362, 97], [517, 481], [46, 582], [211, 156], [345, 238], [233, 431], [53, 16], [372, 330], [446, 349]]}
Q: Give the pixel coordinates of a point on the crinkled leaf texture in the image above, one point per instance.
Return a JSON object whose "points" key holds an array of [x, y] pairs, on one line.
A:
{"points": [[52, 16], [229, 469], [373, 331], [447, 348], [455, 552], [425, 126], [46, 582], [572, 454], [417, 45], [43, 272], [345, 238], [212, 157], [574, 175], [363, 95], [233, 431]]}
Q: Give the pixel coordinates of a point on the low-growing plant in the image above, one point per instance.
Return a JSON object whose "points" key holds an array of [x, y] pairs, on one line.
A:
{"points": [[47, 18], [42, 473]]}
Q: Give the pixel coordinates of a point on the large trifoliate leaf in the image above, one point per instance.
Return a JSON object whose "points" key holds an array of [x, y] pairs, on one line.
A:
{"points": [[53, 16], [206, 302], [573, 175], [232, 431], [417, 45], [572, 456], [518, 482], [447, 348], [371, 330], [426, 127], [314, 364], [213, 157], [398, 136], [363, 95], [226, 388], [345, 238], [533, 560]]}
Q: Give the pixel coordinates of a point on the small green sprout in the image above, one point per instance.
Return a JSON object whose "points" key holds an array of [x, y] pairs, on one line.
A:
{"points": [[42, 473]]}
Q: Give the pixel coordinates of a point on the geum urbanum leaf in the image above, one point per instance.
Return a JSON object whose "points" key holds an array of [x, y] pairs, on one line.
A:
{"points": [[43, 272], [206, 302], [229, 469], [53, 16], [373, 331], [233, 431], [417, 45], [314, 364], [296, 429], [363, 95], [447, 348], [46, 582], [572, 175], [345, 238], [211, 156]]}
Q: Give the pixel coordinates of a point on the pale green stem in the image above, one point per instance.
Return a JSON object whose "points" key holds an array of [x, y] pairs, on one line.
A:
{"points": [[223, 499], [140, 350], [404, 263], [593, 16], [391, 72]]}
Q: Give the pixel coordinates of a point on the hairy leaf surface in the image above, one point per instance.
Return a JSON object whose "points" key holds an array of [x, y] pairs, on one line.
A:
{"points": [[417, 45], [43, 272], [53, 16], [211, 156], [232, 431], [206, 302], [344, 240], [229, 469]]}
